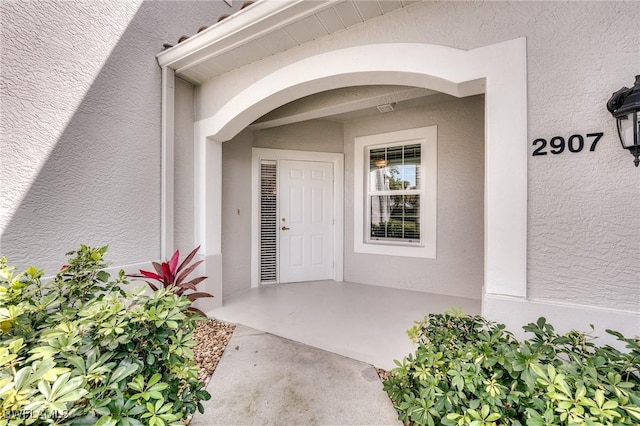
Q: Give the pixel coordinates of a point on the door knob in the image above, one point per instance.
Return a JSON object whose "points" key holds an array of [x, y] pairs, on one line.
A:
{"points": [[285, 228]]}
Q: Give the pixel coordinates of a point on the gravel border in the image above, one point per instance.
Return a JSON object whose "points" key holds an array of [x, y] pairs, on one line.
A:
{"points": [[212, 337]]}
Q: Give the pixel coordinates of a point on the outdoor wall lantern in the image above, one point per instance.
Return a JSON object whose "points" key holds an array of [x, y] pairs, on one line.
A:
{"points": [[624, 105]]}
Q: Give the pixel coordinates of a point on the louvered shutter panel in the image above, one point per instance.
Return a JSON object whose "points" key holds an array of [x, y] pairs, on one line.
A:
{"points": [[268, 223]]}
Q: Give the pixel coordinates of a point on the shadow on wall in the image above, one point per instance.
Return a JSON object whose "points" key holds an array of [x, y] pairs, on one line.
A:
{"points": [[101, 181]]}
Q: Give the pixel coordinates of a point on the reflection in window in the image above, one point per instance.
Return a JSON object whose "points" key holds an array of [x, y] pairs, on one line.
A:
{"points": [[394, 193]]}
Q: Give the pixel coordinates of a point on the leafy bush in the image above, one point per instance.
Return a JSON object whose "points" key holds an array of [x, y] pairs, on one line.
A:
{"points": [[470, 371], [172, 276], [81, 350]]}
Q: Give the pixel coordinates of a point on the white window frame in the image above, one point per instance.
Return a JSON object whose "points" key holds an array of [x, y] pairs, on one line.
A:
{"points": [[428, 138]]}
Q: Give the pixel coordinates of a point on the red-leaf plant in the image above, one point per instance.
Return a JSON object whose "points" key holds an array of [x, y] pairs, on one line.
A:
{"points": [[170, 274]]}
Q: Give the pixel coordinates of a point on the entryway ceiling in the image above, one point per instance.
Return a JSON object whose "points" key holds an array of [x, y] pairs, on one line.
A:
{"points": [[348, 103]]}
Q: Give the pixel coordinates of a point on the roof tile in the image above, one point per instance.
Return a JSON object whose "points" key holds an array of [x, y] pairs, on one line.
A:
{"points": [[204, 27]]}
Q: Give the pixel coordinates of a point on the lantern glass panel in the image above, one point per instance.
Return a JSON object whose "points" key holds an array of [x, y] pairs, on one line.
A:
{"points": [[636, 116], [628, 129]]}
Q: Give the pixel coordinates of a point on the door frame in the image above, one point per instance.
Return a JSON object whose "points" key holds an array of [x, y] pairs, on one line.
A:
{"points": [[337, 160]]}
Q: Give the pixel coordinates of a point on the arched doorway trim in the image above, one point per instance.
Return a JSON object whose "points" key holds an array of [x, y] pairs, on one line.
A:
{"points": [[497, 70]]}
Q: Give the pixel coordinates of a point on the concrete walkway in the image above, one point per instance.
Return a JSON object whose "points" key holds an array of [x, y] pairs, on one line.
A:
{"points": [[359, 321], [263, 379]]}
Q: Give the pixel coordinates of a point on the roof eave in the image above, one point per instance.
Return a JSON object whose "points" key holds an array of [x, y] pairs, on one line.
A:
{"points": [[243, 26]]}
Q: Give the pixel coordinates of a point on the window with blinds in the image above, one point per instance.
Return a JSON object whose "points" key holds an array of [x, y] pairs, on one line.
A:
{"points": [[268, 222], [394, 193]]}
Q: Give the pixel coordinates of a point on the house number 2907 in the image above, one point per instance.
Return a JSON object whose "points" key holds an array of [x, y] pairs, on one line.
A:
{"points": [[558, 144]]}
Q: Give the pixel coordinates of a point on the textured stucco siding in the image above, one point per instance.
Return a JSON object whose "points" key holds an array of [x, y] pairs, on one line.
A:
{"points": [[80, 95], [183, 167], [582, 207]]}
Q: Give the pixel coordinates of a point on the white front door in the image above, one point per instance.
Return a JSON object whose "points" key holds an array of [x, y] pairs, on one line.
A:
{"points": [[306, 222]]}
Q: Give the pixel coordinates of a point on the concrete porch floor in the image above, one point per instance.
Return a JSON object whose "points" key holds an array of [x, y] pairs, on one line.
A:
{"points": [[364, 322]]}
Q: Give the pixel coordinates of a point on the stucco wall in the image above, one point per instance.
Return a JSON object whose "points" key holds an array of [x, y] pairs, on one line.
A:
{"points": [[236, 213], [458, 268], [582, 206], [80, 96], [314, 135], [183, 167]]}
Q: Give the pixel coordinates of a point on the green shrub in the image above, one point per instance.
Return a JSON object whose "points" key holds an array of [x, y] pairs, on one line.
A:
{"points": [[470, 371], [81, 350]]}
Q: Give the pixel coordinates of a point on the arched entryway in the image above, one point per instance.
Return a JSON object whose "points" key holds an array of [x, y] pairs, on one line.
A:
{"points": [[498, 71]]}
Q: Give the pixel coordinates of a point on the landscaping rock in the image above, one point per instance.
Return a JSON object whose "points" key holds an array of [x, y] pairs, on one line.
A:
{"points": [[212, 337]]}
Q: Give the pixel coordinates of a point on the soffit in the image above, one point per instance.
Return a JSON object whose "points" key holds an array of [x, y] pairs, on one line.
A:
{"points": [[348, 103], [267, 28]]}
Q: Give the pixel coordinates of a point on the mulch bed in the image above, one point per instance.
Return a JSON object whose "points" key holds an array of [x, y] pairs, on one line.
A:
{"points": [[383, 374]]}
